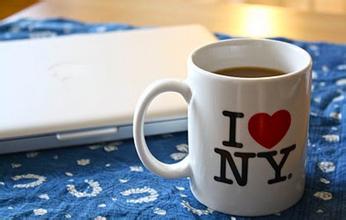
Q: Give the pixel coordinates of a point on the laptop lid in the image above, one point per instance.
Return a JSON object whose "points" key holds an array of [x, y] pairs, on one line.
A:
{"points": [[85, 81]]}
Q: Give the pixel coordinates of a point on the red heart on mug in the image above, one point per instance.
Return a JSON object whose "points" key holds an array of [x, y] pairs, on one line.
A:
{"points": [[269, 130]]}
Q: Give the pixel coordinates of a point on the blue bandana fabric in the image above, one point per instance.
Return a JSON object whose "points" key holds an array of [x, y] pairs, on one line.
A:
{"points": [[108, 181]]}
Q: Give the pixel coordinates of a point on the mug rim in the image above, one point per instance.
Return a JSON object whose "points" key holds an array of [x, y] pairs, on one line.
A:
{"points": [[266, 78]]}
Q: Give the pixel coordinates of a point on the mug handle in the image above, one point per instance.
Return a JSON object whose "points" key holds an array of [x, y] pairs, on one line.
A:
{"points": [[180, 169]]}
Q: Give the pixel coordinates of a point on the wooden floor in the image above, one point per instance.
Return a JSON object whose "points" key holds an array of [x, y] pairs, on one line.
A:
{"points": [[319, 6], [9, 7]]}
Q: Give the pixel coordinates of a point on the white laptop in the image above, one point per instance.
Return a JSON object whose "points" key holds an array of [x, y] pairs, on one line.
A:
{"points": [[82, 89]]}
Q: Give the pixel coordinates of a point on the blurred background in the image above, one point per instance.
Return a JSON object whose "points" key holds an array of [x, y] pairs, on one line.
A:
{"points": [[324, 6], [313, 20]]}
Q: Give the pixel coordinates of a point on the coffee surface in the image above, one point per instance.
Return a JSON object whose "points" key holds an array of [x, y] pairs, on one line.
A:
{"points": [[249, 72]]}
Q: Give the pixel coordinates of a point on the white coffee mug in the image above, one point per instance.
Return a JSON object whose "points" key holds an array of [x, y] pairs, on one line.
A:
{"points": [[247, 136]]}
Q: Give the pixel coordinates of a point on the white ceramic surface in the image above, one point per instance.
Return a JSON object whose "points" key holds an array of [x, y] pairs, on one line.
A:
{"points": [[247, 136]]}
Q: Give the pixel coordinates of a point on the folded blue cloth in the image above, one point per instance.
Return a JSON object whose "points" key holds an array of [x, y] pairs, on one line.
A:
{"points": [[108, 181]]}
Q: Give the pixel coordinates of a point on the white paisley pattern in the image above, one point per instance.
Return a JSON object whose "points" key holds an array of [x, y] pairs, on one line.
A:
{"points": [[31, 154], [95, 189], [159, 211], [38, 180], [331, 137], [44, 196], [83, 162], [196, 211], [15, 165], [153, 194], [136, 169], [326, 166], [183, 151], [123, 180], [40, 211], [113, 146], [324, 195]]}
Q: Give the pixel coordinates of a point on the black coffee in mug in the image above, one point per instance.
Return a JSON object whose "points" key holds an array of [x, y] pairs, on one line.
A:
{"points": [[249, 72]]}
